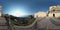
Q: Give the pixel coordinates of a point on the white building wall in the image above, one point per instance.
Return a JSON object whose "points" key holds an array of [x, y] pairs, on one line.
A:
{"points": [[56, 14], [52, 7], [40, 14], [57, 11], [50, 14]]}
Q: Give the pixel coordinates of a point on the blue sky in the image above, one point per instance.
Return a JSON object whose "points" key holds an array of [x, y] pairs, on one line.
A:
{"points": [[27, 6]]}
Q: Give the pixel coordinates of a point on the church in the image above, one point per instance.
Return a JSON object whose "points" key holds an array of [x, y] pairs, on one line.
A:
{"points": [[54, 11]]}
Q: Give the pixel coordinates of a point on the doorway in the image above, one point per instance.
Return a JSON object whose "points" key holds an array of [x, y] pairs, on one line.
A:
{"points": [[53, 15]]}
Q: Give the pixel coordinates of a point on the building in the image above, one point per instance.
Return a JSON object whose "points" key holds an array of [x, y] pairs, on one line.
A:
{"points": [[40, 14], [54, 11], [0, 10]]}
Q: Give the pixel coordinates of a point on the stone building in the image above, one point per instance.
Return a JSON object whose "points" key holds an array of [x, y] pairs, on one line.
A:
{"points": [[0, 10], [54, 11], [40, 14]]}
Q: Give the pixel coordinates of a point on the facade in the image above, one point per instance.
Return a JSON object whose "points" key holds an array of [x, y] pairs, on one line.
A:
{"points": [[54, 11], [0, 10]]}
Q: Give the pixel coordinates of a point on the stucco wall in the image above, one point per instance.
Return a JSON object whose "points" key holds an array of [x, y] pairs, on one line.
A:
{"points": [[56, 14], [40, 14]]}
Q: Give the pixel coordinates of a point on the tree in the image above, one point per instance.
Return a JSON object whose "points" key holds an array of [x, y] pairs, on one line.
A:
{"points": [[30, 16], [12, 17]]}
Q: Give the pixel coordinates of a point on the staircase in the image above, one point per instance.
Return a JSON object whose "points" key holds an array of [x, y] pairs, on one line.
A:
{"points": [[3, 25]]}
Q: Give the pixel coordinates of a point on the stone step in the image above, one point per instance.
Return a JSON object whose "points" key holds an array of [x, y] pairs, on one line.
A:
{"points": [[2, 20], [3, 24], [3, 27]]}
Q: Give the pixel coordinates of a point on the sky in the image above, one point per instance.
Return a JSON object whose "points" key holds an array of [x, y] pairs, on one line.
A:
{"points": [[26, 7]]}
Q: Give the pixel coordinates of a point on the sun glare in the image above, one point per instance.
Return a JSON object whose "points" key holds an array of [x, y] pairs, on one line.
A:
{"points": [[17, 13]]}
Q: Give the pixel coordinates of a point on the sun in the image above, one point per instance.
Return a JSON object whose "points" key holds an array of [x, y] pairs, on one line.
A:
{"points": [[17, 13]]}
